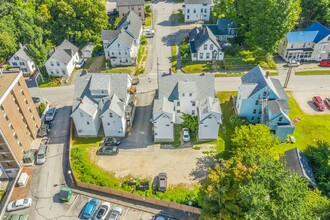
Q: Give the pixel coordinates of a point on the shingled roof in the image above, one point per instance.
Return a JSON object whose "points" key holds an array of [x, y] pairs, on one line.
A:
{"points": [[64, 52], [129, 2], [198, 36]]}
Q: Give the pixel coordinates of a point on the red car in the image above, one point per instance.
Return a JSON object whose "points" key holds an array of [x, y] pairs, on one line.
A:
{"points": [[325, 63], [318, 102]]}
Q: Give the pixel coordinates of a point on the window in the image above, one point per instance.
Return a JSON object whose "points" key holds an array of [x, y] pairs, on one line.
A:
{"points": [[4, 156], [190, 94], [10, 164], [201, 10], [139, 8], [6, 117], [205, 10], [178, 111], [194, 10], [14, 63], [119, 52], [188, 11], [204, 4], [63, 72], [108, 123], [178, 104], [205, 126], [16, 58], [182, 94], [254, 111], [22, 63], [167, 125], [188, 16], [118, 44], [193, 103], [201, 55], [280, 118], [265, 94], [257, 102], [140, 14], [211, 46], [207, 55], [58, 63], [112, 53], [205, 46], [88, 123], [252, 118], [125, 52], [193, 112], [24, 70], [110, 115]]}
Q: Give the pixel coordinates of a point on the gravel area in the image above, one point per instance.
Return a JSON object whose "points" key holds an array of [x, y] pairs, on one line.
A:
{"points": [[304, 100], [184, 165]]}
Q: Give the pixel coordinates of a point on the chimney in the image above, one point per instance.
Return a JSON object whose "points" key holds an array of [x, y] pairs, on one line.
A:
{"points": [[204, 30], [129, 22], [267, 74], [81, 100]]}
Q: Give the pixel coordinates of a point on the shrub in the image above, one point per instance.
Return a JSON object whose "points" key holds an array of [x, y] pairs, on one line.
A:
{"points": [[41, 108], [143, 40]]}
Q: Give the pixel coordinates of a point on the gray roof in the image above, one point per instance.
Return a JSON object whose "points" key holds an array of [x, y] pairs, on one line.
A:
{"points": [[99, 82], [64, 52], [88, 106], [131, 23], [296, 161], [109, 34], [245, 90], [129, 2], [197, 1], [89, 46], [258, 75], [186, 86], [117, 105], [168, 85], [163, 105], [199, 35], [22, 54], [222, 26], [278, 107], [125, 38], [210, 105]]}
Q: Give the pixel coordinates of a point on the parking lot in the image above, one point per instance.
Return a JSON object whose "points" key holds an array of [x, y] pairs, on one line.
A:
{"points": [[304, 100]]}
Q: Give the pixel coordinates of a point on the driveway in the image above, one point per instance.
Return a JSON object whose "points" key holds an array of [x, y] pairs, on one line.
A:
{"points": [[304, 100], [141, 133]]}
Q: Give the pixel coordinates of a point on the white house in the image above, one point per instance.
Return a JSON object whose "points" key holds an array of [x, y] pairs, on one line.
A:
{"points": [[204, 45], [87, 50], [197, 10], [63, 60], [121, 46], [262, 99], [311, 44], [107, 101], [22, 60], [191, 94]]}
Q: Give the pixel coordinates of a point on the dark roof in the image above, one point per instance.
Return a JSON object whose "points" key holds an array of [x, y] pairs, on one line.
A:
{"points": [[225, 23], [322, 31], [129, 2], [109, 34], [198, 36], [275, 106], [131, 23], [64, 52], [197, 1], [296, 161]]}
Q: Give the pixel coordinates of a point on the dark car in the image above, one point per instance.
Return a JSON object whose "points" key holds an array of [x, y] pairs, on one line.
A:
{"points": [[111, 141], [318, 102], [108, 150], [162, 182], [35, 99], [44, 129]]}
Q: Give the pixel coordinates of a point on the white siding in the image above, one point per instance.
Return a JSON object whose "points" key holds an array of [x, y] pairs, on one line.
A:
{"points": [[27, 66], [85, 124], [205, 52], [163, 129], [209, 127], [114, 126], [120, 51], [196, 12], [59, 69]]}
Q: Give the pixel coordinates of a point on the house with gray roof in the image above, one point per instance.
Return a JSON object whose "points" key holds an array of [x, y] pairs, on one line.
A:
{"points": [[262, 99], [21, 60], [124, 6], [310, 44], [204, 45], [224, 29], [299, 163], [63, 60], [197, 10], [104, 101], [121, 46], [190, 94]]}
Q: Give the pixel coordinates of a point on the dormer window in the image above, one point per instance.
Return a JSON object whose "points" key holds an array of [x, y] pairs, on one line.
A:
{"points": [[118, 44], [16, 58], [265, 94], [51, 63], [280, 118]]}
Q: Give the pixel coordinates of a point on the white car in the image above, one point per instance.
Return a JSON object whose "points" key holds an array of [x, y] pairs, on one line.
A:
{"points": [[293, 63], [148, 33], [103, 211], [50, 115], [41, 156], [185, 134], [19, 204], [80, 63], [116, 212]]}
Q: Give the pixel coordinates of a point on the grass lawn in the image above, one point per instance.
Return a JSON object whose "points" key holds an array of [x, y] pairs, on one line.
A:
{"points": [[239, 74], [313, 72], [195, 67], [174, 57], [86, 170], [50, 82], [89, 63], [129, 70], [2, 193]]}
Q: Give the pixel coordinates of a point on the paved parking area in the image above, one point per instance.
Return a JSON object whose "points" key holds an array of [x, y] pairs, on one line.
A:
{"points": [[304, 100]]}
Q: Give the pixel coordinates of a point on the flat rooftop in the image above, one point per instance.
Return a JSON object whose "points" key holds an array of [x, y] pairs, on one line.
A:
{"points": [[5, 81]]}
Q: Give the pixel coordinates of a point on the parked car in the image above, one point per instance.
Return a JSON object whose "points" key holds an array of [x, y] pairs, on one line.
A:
{"points": [[90, 208], [318, 102], [35, 99], [50, 115], [107, 150], [19, 204], [41, 155], [160, 217], [17, 217], [327, 101], [325, 63], [148, 32], [44, 129], [115, 213], [103, 211], [162, 182], [111, 141], [65, 194], [293, 63], [185, 134], [80, 63]]}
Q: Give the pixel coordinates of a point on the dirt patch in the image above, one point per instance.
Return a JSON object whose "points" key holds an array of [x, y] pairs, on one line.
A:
{"points": [[22, 192], [97, 64], [304, 100], [184, 165]]}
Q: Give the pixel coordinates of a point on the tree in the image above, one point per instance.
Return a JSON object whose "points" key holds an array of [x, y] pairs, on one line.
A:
{"points": [[314, 11], [190, 121], [319, 156], [253, 185]]}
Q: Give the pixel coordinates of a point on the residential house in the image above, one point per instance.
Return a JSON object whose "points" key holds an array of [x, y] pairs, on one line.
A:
{"points": [[224, 29], [19, 123], [63, 60], [22, 60], [262, 99], [311, 44], [191, 94], [121, 46], [124, 6], [105, 100], [197, 10], [87, 50], [204, 45], [298, 162]]}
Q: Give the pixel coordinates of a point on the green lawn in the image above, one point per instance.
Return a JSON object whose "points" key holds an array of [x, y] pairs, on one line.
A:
{"points": [[128, 70], [50, 82], [313, 72], [90, 62], [195, 67], [174, 57], [239, 74], [2, 193]]}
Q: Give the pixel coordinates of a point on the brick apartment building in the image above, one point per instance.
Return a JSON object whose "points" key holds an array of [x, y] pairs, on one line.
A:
{"points": [[19, 123]]}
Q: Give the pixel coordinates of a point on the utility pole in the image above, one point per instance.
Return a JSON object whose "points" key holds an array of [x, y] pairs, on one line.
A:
{"points": [[288, 76], [158, 75]]}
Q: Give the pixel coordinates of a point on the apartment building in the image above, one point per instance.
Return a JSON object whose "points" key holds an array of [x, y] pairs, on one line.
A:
{"points": [[19, 123]]}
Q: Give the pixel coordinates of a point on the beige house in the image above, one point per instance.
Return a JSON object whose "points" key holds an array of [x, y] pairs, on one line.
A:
{"points": [[124, 6]]}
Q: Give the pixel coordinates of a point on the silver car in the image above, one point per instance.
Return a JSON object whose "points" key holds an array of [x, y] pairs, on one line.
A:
{"points": [[116, 212], [50, 115], [41, 156]]}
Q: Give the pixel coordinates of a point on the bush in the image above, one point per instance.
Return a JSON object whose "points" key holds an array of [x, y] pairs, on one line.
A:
{"points": [[148, 10], [41, 108], [143, 40]]}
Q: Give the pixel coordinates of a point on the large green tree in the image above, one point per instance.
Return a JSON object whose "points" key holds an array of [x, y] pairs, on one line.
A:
{"points": [[314, 11]]}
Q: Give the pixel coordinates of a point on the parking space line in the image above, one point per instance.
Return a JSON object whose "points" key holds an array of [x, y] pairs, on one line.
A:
{"points": [[140, 215], [75, 200], [126, 213]]}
